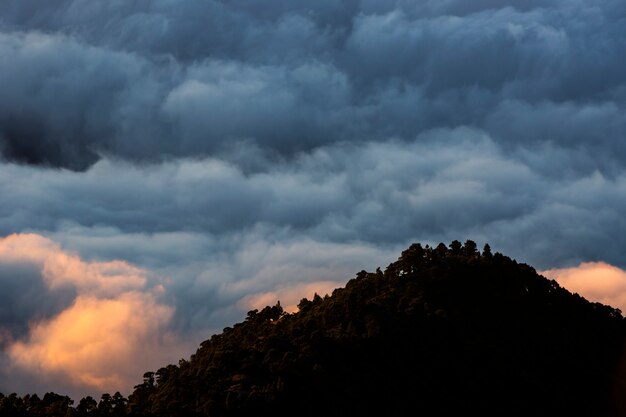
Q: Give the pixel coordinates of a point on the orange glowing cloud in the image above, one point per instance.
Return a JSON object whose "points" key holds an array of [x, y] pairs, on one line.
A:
{"points": [[115, 329], [289, 296], [60, 268], [101, 343], [596, 281], [27, 248]]}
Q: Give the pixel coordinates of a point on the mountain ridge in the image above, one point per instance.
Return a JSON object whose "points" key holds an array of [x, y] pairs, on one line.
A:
{"points": [[443, 330]]}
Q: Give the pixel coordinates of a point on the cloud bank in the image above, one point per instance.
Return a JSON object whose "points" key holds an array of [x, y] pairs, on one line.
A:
{"points": [[451, 184], [147, 80], [172, 164]]}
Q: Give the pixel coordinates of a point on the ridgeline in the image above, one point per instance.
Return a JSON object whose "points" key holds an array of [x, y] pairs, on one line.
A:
{"points": [[442, 331]]}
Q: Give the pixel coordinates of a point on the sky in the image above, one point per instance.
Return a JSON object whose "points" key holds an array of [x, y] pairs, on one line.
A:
{"points": [[168, 165]]}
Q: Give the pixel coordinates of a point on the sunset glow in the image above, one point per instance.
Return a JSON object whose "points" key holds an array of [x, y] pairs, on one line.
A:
{"points": [[596, 281], [289, 297], [166, 166], [114, 328]]}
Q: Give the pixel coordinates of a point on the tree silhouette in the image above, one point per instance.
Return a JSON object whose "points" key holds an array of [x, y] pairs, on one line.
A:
{"points": [[455, 247], [87, 406], [487, 251], [441, 331], [470, 249]]}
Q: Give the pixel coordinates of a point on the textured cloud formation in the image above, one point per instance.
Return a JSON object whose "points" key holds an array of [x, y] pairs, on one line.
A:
{"points": [[449, 184], [98, 343], [596, 281], [148, 79], [113, 328], [196, 158], [290, 296]]}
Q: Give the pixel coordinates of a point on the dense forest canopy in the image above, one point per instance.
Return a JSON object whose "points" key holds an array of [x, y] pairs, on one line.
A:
{"points": [[445, 330]]}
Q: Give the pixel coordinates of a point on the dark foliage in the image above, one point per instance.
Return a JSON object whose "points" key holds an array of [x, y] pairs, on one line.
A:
{"points": [[443, 331]]}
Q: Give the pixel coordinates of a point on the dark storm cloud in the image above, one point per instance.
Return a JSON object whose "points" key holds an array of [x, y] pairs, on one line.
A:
{"points": [[443, 185], [150, 79], [355, 187]]}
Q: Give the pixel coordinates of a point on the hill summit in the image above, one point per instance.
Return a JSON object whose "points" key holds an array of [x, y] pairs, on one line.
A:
{"points": [[445, 330]]}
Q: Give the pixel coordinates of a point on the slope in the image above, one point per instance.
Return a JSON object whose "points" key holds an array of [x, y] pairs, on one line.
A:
{"points": [[442, 331]]}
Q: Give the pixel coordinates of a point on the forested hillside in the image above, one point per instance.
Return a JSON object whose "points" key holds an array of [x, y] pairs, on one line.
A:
{"points": [[442, 331]]}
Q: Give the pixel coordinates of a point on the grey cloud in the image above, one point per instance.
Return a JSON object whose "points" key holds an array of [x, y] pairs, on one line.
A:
{"points": [[25, 298], [442, 185], [152, 80], [598, 126], [222, 102], [64, 101], [357, 185]]}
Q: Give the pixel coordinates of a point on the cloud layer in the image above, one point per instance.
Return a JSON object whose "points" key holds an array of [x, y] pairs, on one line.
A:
{"points": [[172, 164], [450, 184], [146, 80]]}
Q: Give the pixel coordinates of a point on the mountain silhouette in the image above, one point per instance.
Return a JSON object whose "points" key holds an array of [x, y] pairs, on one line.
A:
{"points": [[444, 330]]}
